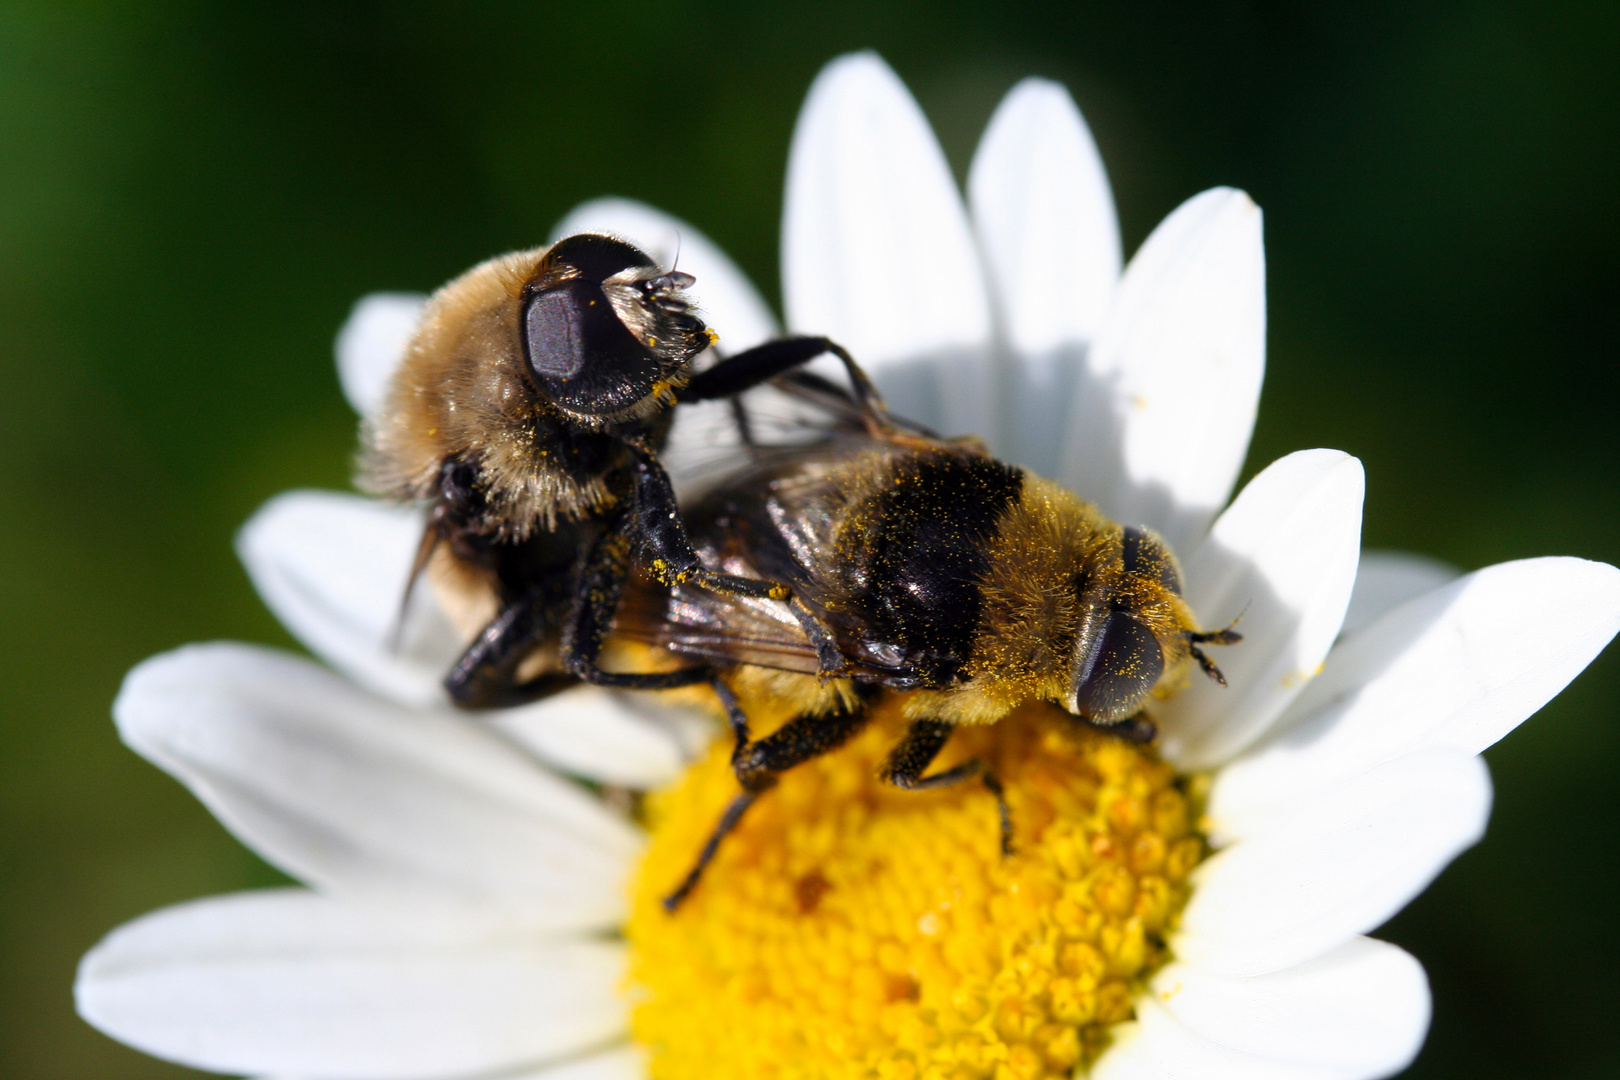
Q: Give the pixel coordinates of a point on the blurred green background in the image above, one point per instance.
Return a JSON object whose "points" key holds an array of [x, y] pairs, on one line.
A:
{"points": [[192, 195]]}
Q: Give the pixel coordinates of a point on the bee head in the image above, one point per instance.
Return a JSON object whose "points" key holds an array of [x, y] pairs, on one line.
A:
{"points": [[1133, 628], [607, 335]]}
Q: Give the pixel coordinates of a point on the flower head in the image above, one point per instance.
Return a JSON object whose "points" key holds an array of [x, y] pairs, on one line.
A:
{"points": [[462, 897]]}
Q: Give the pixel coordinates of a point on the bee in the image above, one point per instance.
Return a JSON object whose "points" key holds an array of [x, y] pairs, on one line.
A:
{"points": [[969, 584], [528, 414]]}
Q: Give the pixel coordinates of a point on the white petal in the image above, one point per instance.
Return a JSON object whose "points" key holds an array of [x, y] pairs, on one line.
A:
{"points": [[359, 796], [1387, 579], [372, 343], [727, 300], [1360, 1010], [619, 1063], [289, 981], [333, 568], [1283, 556], [1162, 418], [1459, 667], [1333, 864], [1045, 220], [876, 249], [1157, 1047], [597, 734]]}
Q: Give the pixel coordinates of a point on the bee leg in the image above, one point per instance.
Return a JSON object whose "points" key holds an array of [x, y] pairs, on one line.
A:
{"points": [[485, 675], [758, 764], [668, 550], [762, 363], [922, 742], [1136, 729], [596, 598]]}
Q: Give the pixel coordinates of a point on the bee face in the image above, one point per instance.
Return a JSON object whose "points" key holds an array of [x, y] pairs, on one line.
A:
{"points": [[1133, 629], [604, 333]]}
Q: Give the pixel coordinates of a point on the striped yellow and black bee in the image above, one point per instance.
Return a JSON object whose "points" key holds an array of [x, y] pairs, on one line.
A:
{"points": [[528, 415], [971, 585]]}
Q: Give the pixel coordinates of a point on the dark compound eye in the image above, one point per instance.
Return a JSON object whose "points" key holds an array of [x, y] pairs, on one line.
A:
{"points": [[1145, 553], [1122, 665], [581, 355], [597, 258]]}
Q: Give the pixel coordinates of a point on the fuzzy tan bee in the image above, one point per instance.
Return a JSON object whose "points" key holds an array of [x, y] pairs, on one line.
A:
{"points": [[528, 415]]}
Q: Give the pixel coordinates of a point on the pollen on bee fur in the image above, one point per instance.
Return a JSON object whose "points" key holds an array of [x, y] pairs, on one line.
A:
{"points": [[850, 929]]}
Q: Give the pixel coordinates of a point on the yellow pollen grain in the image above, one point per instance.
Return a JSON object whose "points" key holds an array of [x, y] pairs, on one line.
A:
{"points": [[850, 929]]}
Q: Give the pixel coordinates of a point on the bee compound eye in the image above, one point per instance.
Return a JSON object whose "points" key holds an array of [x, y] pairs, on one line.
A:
{"points": [[1144, 553], [596, 258], [579, 353], [1119, 670]]}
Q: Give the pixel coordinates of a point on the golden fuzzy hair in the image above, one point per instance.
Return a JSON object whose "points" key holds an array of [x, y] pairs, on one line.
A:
{"points": [[462, 391]]}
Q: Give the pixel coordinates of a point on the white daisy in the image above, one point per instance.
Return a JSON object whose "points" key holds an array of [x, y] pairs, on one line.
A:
{"points": [[460, 897]]}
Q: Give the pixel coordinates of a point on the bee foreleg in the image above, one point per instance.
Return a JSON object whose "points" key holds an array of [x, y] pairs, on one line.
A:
{"points": [[762, 363], [483, 677], [1136, 729], [600, 581], [918, 748], [668, 550]]}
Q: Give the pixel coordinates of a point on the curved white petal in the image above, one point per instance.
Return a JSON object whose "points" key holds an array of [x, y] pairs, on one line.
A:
{"points": [[728, 302], [592, 732], [1158, 1047], [333, 568], [1045, 220], [362, 797], [1387, 579], [1458, 667], [620, 1063], [289, 981], [372, 343], [1361, 1010], [1283, 556], [1167, 401], [1333, 864], [876, 249]]}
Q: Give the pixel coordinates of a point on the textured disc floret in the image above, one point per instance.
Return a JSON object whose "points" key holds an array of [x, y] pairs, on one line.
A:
{"points": [[848, 929]]}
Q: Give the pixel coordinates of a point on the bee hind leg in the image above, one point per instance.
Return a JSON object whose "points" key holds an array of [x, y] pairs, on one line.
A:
{"points": [[759, 764], [922, 742]]}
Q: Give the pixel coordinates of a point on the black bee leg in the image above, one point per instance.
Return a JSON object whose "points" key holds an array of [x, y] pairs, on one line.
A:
{"points": [[1136, 729], [744, 422], [734, 713], [728, 821], [673, 560], [1206, 664], [758, 764], [668, 550], [922, 742], [601, 579], [485, 675], [762, 363]]}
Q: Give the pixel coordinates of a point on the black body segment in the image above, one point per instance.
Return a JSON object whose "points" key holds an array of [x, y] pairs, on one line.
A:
{"points": [[922, 543]]}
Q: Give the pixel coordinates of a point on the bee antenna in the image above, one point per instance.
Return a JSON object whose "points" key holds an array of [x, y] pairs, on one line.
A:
{"points": [[1226, 636], [676, 265], [1207, 664]]}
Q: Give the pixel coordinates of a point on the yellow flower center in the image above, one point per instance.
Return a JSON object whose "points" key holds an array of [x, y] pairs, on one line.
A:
{"points": [[850, 929]]}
